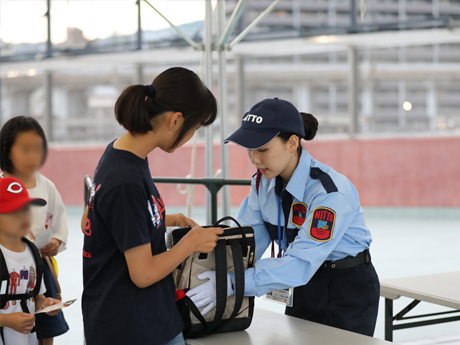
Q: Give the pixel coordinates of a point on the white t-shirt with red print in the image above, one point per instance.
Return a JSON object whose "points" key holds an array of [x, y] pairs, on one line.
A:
{"points": [[23, 278]]}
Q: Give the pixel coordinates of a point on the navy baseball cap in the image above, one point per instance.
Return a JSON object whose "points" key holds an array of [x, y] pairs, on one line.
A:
{"points": [[265, 121]]}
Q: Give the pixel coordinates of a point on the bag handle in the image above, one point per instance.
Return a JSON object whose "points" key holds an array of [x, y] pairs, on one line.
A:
{"points": [[193, 308], [245, 241], [239, 279], [223, 219], [221, 284]]}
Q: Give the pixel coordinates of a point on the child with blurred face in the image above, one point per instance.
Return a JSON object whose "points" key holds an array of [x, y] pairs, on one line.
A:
{"points": [[15, 222], [23, 151]]}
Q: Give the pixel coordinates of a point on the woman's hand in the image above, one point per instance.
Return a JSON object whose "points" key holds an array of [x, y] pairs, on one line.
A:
{"points": [[52, 248], [20, 322], [180, 221], [203, 240], [204, 295]]}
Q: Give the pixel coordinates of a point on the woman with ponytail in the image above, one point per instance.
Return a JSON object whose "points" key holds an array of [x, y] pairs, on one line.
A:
{"points": [[322, 268], [129, 291]]}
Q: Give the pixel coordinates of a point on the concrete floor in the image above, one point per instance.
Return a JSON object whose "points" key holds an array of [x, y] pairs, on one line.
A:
{"points": [[407, 242]]}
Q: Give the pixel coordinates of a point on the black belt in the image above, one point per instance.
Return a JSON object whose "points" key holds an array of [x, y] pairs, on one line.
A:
{"points": [[348, 262]]}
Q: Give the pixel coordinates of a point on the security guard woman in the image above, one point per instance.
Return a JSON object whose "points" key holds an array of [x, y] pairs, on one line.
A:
{"points": [[313, 213]]}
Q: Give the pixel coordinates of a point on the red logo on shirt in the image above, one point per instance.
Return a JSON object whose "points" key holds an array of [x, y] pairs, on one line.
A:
{"points": [[88, 227], [299, 213], [322, 224], [160, 205], [94, 189]]}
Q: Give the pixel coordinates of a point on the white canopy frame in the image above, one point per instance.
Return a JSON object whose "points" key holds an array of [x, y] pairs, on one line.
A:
{"points": [[236, 50], [223, 33]]}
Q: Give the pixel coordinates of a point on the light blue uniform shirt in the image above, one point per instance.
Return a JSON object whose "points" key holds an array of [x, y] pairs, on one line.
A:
{"points": [[305, 254]]}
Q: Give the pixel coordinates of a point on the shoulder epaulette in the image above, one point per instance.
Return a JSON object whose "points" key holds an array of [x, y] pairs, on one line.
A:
{"points": [[324, 178]]}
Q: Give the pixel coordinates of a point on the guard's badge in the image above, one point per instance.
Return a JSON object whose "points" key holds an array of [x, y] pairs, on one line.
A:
{"points": [[322, 224], [299, 213]]}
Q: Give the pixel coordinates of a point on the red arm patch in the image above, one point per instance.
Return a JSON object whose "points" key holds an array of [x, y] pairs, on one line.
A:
{"points": [[299, 213], [322, 224]]}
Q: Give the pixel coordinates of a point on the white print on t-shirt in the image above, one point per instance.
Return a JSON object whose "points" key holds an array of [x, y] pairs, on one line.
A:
{"points": [[156, 218], [22, 278]]}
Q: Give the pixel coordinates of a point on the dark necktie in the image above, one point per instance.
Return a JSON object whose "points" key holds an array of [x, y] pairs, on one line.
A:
{"points": [[286, 201]]}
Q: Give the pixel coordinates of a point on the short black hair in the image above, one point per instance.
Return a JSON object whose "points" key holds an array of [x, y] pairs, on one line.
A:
{"points": [[176, 89], [8, 134]]}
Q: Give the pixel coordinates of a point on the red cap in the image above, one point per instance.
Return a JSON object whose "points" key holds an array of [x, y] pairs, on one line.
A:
{"points": [[14, 195]]}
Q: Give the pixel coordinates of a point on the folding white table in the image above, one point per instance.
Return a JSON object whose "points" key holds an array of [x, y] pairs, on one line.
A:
{"points": [[269, 328], [442, 289]]}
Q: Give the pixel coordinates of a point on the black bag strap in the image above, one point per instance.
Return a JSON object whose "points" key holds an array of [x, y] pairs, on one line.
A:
{"points": [[239, 278], [221, 284], [4, 276], [239, 248], [221, 292], [193, 308], [38, 265], [223, 219], [245, 241], [239, 294]]}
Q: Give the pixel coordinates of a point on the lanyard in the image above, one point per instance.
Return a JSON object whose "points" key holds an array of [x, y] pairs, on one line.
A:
{"points": [[279, 226]]}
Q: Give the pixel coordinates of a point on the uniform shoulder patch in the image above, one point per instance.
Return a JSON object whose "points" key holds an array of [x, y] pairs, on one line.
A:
{"points": [[324, 178], [322, 224], [299, 213]]}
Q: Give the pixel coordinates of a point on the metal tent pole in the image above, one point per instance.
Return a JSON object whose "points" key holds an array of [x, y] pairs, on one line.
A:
{"points": [[48, 29], [48, 87], [223, 106], [139, 26], [353, 90], [139, 73], [251, 26], [224, 34], [207, 40], [239, 85], [222, 46], [175, 28]]}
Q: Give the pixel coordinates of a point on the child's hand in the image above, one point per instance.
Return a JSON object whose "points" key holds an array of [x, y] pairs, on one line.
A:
{"points": [[20, 322], [182, 221], [51, 301], [52, 248]]}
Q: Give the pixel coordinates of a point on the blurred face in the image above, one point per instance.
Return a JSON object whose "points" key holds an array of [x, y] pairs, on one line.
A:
{"points": [[16, 223], [27, 153], [275, 158]]}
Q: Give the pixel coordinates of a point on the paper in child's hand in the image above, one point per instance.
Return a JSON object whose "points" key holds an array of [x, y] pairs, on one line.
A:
{"points": [[54, 307], [43, 238]]}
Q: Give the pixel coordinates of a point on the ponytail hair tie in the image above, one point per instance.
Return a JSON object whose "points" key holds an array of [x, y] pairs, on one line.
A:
{"points": [[150, 90]]}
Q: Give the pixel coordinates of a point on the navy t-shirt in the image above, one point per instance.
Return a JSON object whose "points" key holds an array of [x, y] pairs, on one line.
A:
{"points": [[125, 211]]}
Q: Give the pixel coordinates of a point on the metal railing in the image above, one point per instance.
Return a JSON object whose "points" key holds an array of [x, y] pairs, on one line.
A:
{"points": [[213, 185]]}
